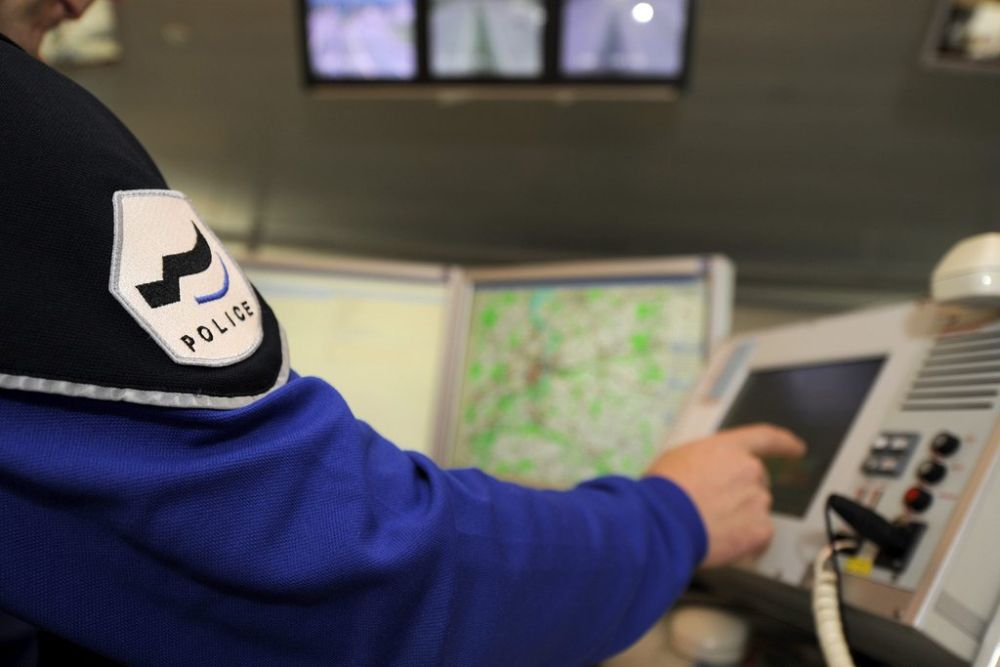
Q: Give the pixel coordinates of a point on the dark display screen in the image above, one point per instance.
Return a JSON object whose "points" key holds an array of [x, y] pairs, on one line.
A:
{"points": [[816, 402]]}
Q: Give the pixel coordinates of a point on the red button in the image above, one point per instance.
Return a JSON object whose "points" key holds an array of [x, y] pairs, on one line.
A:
{"points": [[917, 499]]}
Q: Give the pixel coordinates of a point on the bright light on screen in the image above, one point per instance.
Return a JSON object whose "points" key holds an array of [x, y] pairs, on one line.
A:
{"points": [[362, 39], [378, 342], [818, 403], [473, 38], [643, 12], [564, 382], [624, 39]]}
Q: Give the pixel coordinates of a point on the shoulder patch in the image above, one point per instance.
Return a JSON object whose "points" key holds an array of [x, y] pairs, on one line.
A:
{"points": [[176, 279]]}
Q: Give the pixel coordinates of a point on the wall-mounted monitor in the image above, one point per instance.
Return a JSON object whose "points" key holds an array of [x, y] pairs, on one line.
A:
{"points": [[473, 38], [543, 45], [609, 39], [361, 40]]}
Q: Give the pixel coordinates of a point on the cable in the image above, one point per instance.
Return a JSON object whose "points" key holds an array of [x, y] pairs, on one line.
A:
{"points": [[826, 606], [831, 538], [869, 524], [894, 540]]}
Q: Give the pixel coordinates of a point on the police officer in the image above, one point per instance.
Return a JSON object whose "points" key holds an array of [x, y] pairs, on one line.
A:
{"points": [[172, 493]]}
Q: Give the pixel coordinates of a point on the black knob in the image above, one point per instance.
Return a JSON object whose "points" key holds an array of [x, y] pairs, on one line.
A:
{"points": [[945, 444], [917, 499], [931, 472]]}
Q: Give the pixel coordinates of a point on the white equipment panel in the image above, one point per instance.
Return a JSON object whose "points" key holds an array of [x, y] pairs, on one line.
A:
{"points": [[900, 408]]}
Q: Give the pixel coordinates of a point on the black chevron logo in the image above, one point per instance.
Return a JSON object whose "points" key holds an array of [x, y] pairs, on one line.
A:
{"points": [[168, 290]]}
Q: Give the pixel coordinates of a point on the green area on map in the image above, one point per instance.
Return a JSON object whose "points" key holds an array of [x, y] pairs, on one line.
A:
{"points": [[566, 383]]}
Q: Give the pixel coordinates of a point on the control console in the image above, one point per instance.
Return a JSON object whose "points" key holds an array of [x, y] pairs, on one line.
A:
{"points": [[900, 409]]}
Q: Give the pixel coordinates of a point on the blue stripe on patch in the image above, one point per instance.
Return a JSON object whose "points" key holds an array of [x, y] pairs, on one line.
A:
{"points": [[215, 296]]}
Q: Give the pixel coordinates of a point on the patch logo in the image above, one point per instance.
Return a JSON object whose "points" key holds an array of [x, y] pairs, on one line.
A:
{"points": [[175, 278]]}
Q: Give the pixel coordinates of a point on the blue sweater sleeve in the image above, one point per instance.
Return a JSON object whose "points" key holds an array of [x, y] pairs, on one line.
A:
{"points": [[290, 533]]}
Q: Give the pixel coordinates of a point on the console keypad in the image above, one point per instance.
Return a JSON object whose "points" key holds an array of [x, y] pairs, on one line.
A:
{"points": [[889, 454]]}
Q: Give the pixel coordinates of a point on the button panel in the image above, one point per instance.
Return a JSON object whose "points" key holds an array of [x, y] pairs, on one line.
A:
{"points": [[889, 454]]}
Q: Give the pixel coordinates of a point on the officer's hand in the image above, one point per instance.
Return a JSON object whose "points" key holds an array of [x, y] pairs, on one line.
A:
{"points": [[727, 481]]}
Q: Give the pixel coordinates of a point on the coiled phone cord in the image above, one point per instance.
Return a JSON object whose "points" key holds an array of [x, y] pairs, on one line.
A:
{"points": [[826, 607]]}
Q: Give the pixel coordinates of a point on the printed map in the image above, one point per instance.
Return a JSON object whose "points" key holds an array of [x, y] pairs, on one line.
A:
{"points": [[564, 383]]}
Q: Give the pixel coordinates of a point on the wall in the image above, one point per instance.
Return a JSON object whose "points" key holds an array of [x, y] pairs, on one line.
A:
{"points": [[811, 147]]}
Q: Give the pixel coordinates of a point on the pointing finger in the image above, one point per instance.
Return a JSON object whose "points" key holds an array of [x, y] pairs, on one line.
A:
{"points": [[765, 440]]}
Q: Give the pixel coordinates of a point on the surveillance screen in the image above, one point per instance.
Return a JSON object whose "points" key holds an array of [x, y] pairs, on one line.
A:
{"points": [[362, 39], [567, 381], [818, 403], [624, 39], [487, 38]]}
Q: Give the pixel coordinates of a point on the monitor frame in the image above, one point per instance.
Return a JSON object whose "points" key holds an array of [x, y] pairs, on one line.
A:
{"points": [[717, 271], [551, 84], [448, 277]]}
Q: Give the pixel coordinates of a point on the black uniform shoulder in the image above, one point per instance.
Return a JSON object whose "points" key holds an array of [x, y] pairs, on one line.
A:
{"points": [[43, 109], [68, 167]]}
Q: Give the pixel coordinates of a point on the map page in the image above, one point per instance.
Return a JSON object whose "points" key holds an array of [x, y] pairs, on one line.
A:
{"points": [[377, 341], [565, 382]]}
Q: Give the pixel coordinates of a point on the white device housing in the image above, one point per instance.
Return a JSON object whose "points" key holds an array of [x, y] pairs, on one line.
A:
{"points": [[970, 271], [941, 373]]}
